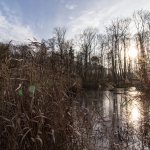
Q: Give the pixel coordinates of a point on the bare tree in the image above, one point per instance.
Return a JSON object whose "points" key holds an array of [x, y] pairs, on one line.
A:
{"points": [[59, 34], [87, 43], [115, 32], [102, 42], [141, 20]]}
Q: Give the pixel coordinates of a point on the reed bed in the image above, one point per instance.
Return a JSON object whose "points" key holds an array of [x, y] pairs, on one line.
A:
{"points": [[35, 100], [41, 107]]}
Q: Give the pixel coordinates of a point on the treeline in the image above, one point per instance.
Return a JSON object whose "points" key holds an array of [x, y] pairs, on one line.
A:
{"points": [[99, 58]]}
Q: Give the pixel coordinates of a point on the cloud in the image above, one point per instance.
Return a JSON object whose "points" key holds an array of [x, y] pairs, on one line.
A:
{"points": [[70, 17], [96, 17], [71, 6], [13, 29], [99, 14], [88, 18]]}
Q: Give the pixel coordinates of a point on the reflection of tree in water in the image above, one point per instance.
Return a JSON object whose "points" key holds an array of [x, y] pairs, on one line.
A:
{"points": [[113, 120]]}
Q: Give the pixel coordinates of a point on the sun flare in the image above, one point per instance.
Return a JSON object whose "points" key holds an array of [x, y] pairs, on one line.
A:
{"points": [[133, 53]]}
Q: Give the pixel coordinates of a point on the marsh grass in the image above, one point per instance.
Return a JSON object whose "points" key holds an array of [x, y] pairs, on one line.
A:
{"points": [[41, 107], [35, 102]]}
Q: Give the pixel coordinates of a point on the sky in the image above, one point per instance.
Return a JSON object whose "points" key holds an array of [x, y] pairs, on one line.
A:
{"points": [[21, 20]]}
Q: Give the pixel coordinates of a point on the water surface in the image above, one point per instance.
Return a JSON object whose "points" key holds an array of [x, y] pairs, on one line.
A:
{"points": [[116, 116]]}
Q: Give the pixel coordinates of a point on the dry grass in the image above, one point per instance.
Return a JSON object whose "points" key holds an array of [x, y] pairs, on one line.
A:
{"points": [[39, 110], [35, 100]]}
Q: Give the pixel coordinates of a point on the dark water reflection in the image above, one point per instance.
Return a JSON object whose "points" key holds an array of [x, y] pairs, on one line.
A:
{"points": [[123, 110], [124, 104]]}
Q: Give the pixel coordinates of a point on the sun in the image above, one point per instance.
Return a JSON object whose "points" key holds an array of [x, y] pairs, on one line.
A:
{"points": [[132, 52]]}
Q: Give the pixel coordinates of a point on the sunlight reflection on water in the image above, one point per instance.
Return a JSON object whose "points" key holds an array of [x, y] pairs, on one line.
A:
{"points": [[122, 110], [135, 112], [127, 105], [134, 107]]}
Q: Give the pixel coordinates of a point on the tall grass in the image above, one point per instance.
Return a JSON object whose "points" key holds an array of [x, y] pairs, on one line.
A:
{"points": [[41, 108], [35, 101]]}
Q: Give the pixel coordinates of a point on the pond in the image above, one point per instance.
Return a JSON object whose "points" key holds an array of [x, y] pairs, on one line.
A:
{"points": [[117, 119]]}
